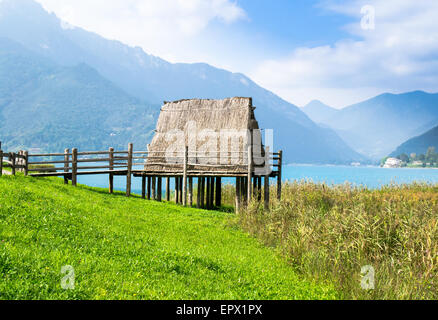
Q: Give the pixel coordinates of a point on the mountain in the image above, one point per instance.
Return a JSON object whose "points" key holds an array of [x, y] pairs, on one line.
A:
{"points": [[377, 126], [152, 79], [318, 111], [419, 145], [50, 107]]}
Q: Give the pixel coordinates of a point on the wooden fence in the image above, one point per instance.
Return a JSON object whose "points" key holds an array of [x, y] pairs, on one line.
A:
{"points": [[71, 163]]}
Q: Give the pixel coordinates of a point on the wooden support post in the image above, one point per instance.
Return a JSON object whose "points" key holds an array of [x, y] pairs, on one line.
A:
{"points": [[202, 192], [244, 191], [26, 162], [212, 194], [198, 195], [238, 189], [259, 189], [280, 164], [180, 190], [154, 188], [74, 167], [207, 200], [66, 165], [176, 189], [129, 170], [168, 189], [111, 164], [13, 159], [1, 161], [218, 192], [184, 182], [143, 187], [266, 193], [190, 191], [250, 169], [159, 188], [149, 187]]}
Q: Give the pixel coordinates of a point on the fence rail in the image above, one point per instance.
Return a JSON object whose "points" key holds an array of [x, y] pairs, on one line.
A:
{"points": [[73, 163]]}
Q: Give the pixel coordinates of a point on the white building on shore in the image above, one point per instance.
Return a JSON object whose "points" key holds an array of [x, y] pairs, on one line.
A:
{"points": [[393, 163]]}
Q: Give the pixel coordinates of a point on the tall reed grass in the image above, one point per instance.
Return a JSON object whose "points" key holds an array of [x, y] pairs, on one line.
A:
{"points": [[330, 233]]}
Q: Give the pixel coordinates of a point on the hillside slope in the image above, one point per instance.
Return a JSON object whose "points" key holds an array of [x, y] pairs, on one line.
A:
{"points": [[419, 145], [377, 126], [129, 248], [154, 80], [318, 111], [45, 106]]}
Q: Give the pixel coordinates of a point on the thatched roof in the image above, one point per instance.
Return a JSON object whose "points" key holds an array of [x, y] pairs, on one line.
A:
{"points": [[217, 133]]}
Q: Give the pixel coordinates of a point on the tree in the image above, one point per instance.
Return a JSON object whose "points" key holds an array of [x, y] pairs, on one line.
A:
{"points": [[404, 157], [430, 155]]}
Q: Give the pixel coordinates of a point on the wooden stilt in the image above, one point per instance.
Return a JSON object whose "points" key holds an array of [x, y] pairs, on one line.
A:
{"points": [[266, 193], [184, 182], [176, 190], [198, 195], [190, 191], [143, 187], [212, 191], [159, 188], [149, 187], [180, 190], [218, 192], [203, 192], [207, 197], [168, 189], [154, 188], [259, 189], [238, 189]]}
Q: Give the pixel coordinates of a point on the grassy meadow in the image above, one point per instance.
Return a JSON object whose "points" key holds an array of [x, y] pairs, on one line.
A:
{"points": [[330, 233], [129, 248]]}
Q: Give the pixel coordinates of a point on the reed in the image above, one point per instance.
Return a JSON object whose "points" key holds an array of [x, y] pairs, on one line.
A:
{"points": [[330, 233]]}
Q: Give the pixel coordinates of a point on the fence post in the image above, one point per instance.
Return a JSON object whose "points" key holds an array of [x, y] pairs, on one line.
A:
{"points": [[111, 168], [26, 162], [66, 165], [184, 183], [129, 170], [250, 169], [13, 160], [1, 161], [280, 163], [74, 167]]}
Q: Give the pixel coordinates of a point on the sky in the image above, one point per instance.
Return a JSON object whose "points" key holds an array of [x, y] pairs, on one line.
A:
{"points": [[337, 51]]}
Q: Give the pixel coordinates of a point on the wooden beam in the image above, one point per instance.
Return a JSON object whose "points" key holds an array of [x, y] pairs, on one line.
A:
{"points": [[143, 187], [13, 162], [74, 167], [154, 188], [198, 195], [238, 189], [159, 188], [1, 161], [149, 187], [218, 192], [128, 173], [191, 191], [168, 189], [207, 200], [279, 177], [111, 164], [202, 192], [250, 170], [212, 193], [26, 162], [266, 193], [184, 182], [176, 190]]}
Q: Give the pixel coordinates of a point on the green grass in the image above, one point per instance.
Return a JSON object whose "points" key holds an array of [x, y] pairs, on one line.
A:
{"points": [[330, 233], [129, 248]]}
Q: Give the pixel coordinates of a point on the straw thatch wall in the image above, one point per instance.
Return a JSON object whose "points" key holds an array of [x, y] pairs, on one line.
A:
{"points": [[217, 133]]}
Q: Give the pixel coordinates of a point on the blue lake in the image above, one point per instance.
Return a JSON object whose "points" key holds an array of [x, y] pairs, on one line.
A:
{"points": [[371, 177]]}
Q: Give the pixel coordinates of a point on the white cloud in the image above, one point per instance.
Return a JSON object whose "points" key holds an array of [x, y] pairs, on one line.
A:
{"points": [[400, 54], [156, 25]]}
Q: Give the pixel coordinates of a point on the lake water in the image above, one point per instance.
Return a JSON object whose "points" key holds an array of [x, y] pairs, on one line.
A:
{"points": [[371, 177]]}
